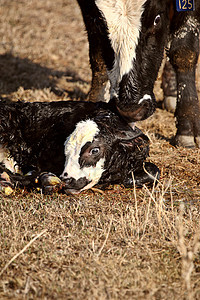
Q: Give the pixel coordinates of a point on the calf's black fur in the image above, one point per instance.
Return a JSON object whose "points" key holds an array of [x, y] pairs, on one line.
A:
{"points": [[35, 133]]}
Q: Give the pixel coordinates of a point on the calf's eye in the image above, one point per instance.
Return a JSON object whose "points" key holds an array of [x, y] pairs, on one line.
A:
{"points": [[94, 151], [157, 20]]}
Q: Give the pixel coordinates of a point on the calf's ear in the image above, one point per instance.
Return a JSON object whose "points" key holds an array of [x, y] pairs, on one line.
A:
{"points": [[130, 138], [128, 133]]}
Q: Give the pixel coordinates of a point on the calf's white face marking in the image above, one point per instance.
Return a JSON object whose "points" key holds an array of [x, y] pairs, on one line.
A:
{"points": [[123, 18], [84, 132]]}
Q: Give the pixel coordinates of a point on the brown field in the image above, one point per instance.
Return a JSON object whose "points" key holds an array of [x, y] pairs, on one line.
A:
{"points": [[116, 244]]}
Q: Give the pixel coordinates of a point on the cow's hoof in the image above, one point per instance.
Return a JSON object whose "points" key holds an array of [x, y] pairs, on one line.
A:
{"points": [[170, 103], [187, 141], [49, 183]]}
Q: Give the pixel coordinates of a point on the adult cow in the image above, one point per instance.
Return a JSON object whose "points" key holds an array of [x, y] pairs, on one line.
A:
{"points": [[126, 44]]}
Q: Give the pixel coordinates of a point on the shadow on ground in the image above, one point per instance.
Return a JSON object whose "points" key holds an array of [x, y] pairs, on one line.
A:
{"points": [[18, 72]]}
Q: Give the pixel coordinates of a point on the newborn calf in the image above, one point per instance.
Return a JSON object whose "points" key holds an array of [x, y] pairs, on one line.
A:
{"points": [[82, 142]]}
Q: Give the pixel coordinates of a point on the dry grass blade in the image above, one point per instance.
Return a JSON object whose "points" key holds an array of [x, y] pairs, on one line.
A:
{"points": [[186, 254], [96, 190], [107, 235], [23, 250]]}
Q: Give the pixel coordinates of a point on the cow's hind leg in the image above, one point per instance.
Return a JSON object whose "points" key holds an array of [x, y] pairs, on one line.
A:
{"points": [[169, 87], [96, 30], [183, 55]]}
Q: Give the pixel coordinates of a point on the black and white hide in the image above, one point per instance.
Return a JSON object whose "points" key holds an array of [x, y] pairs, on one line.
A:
{"points": [[127, 39], [83, 143]]}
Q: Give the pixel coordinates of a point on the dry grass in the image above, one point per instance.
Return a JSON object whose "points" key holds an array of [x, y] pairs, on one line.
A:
{"points": [[119, 244]]}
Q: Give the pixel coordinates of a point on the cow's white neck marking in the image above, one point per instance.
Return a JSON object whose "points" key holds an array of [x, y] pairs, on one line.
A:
{"points": [[145, 97], [84, 132], [123, 18]]}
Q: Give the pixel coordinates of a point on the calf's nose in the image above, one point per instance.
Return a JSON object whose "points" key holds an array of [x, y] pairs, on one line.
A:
{"points": [[71, 183], [67, 180]]}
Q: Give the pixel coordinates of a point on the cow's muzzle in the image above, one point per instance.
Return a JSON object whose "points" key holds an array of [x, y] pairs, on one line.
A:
{"points": [[133, 112]]}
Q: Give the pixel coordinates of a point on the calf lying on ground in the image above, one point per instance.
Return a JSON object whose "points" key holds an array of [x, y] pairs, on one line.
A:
{"points": [[88, 140]]}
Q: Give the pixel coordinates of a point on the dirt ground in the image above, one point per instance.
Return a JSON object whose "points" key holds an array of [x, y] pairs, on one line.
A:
{"points": [[113, 244]]}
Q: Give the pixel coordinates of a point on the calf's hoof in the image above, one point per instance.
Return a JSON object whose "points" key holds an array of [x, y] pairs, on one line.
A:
{"points": [[49, 183], [6, 187]]}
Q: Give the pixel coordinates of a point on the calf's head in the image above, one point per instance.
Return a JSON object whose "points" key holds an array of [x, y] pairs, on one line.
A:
{"points": [[102, 149]]}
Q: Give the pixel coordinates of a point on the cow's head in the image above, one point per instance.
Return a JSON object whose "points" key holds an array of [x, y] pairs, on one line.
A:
{"points": [[102, 147], [137, 32]]}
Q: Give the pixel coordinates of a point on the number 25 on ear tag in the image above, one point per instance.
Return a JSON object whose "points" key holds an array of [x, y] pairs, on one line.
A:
{"points": [[185, 5]]}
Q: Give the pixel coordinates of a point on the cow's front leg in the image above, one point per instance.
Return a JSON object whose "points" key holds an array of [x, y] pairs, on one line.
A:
{"points": [[100, 86], [98, 45], [183, 55]]}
